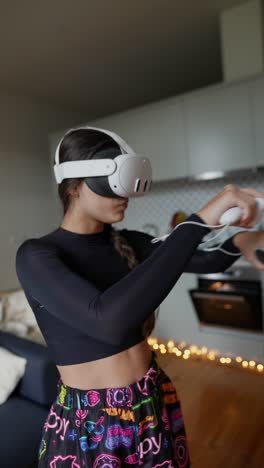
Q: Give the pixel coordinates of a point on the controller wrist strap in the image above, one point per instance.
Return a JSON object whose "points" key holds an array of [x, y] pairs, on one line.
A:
{"points": [[209, 249]]}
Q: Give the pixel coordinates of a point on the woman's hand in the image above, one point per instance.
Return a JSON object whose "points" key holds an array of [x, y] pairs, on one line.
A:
{"points": [[230, 197], [247, 242]]}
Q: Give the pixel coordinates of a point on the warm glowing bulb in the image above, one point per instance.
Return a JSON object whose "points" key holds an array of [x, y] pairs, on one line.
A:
{"points": [[244, 363], [228, 360], [163, 350], [156, 346], [152, 340], [252, 363], [222, 360], [193, 348], [260, 367], [170, 344], [211, 356], [239, 359]]}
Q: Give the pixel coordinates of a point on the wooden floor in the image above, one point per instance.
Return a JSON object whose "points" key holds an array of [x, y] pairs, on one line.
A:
{"points": [[223, 410]]}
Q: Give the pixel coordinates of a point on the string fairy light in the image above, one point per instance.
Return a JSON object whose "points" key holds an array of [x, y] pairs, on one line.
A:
{"points": [[182, 350]]}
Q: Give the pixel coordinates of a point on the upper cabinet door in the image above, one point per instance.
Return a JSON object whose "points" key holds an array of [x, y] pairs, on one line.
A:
{"points": [[156, 131], [257, 95], [219, 129]]}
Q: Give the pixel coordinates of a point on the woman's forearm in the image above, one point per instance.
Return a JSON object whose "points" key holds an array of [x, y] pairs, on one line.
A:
{"points": [[215, 261]]}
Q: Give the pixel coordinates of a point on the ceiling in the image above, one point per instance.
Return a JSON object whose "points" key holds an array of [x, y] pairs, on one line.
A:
{"points": [[104, 56]]}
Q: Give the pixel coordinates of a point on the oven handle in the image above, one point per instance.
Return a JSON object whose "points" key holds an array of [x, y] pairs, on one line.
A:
{"points": [[224, 295]]}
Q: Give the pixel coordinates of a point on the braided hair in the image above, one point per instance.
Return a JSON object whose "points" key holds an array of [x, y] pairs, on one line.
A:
{"points": [[125, 250]]}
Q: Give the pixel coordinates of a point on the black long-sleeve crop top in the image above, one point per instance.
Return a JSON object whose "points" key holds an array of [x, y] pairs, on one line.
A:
{"points": [[88, 303]]}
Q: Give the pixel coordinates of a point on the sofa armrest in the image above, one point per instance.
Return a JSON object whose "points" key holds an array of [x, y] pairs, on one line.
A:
{"points": [[39, 382]]}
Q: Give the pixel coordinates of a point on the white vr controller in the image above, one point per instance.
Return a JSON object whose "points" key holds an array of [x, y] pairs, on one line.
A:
{"points": [[233, 215]]}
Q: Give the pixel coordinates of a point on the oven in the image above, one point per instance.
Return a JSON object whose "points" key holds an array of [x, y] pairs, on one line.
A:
{"points": [[232, 299]]}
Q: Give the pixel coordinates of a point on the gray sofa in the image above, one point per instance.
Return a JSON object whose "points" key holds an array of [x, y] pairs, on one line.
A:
{"points": [[22, 416]]}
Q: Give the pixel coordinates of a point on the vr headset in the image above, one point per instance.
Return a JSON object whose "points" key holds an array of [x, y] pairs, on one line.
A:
{"points": [[123, 175]]}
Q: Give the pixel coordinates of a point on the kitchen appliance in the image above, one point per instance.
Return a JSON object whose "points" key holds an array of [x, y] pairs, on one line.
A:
{"points": [[232, 299]]}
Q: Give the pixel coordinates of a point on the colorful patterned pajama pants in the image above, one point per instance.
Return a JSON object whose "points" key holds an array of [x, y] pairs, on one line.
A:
{"points": [[137, 425]]}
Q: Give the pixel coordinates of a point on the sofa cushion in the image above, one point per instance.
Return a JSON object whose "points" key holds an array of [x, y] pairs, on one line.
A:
{"points": [[39, 382], [17, 316], [12, 369], [16, 308], [22, 422]]}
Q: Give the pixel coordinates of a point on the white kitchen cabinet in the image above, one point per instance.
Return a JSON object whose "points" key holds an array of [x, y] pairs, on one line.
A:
{"points": [[155, 130], [257, 101], [219, 129]]}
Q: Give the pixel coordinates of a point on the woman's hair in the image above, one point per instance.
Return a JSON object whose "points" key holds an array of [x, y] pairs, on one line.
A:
{"points": [[83, 144]]}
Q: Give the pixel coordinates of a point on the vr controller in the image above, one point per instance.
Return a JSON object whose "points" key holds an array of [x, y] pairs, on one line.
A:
{"points": [[233, 215]]}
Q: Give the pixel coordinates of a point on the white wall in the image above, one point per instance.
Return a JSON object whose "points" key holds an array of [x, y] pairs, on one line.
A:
{"points": [[26, 196], [242, 29]]}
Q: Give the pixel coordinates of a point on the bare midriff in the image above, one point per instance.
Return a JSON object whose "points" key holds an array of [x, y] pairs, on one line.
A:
{"points": [[118, 370]]}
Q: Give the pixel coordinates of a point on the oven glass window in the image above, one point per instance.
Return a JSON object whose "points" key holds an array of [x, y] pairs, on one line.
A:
{"points": [[229, 310]]}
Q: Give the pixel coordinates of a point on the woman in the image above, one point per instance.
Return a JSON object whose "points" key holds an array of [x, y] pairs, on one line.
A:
{"points": [[94, 291]]}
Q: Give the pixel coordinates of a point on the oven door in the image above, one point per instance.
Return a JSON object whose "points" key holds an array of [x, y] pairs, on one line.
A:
{"points": [[241, 310]]}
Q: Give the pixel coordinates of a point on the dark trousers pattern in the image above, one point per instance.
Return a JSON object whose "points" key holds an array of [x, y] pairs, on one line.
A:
{"points": [[137, 425]]}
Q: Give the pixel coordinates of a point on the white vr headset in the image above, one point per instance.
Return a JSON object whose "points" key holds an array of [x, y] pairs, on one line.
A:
{"points": [[125, 175]]}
